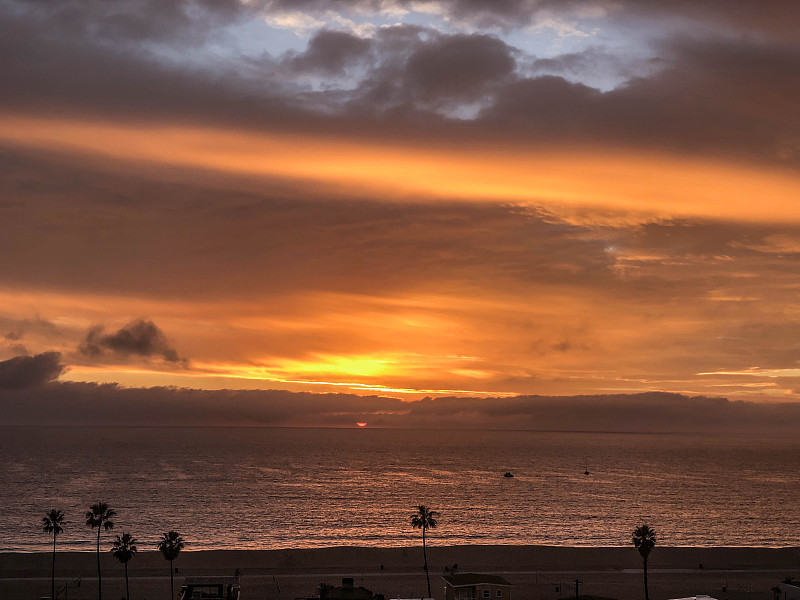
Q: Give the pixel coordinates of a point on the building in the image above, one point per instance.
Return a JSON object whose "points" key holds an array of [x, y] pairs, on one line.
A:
{"points": [[787, 590], [210, 588], [474, 586], [347, 591]]}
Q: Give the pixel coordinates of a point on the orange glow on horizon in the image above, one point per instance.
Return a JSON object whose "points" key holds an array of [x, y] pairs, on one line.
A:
{"points": [[366, 346], [219, 378]]}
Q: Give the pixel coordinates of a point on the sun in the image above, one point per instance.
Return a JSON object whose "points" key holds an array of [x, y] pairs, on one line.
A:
{"points": [[361, 424]]}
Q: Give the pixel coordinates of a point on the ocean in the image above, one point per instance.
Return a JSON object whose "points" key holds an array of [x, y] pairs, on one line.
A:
{"points": [[267, 488]]}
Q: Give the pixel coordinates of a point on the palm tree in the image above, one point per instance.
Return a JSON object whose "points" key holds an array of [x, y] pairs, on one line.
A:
{"points": [[425, 519], [171, 544], [124, 550], [644, 539], [51, 523], [99, 515]]}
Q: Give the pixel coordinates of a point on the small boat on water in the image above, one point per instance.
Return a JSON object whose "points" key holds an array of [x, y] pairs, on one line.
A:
{"points": [[210, 588], [508, 474]]}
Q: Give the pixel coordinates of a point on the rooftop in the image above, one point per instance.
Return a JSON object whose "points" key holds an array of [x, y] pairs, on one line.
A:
{"points": [[465, 579]]}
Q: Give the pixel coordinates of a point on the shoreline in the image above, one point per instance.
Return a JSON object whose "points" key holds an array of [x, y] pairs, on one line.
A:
{"points": [[745, 573]]}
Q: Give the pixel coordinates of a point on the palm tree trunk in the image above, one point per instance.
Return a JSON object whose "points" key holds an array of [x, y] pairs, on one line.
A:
{"points": [[646, 594], [171, 584], [53, 572], [127, 591], [425, 556], [99, 579]]}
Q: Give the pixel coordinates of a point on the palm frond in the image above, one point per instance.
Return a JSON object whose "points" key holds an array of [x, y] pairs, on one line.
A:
{"points": [[170, 545], [124, 547], [52, 521], [100, 514], [644, 539], [424, 518]]}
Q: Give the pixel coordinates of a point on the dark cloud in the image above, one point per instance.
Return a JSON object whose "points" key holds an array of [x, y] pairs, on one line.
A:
{"points": [[645, 412], [719, 96], [139, 406], [458, 66], [76, 403], [712, 97], [138, 20], [141, 338], [23, 372], [548, 105], [778, 18], [331, 52], [54, 74]]}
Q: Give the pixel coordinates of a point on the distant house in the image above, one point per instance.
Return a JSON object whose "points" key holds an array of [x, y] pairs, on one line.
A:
{"points": [[474, 586], [210, 588], [787, 590], [347, 591]]}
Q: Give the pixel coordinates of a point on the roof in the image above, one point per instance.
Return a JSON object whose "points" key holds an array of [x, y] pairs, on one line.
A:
{"points": [[210, 580], [790, 582], [465, 579]]}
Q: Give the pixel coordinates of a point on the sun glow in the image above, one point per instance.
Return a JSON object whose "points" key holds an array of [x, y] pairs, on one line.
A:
{"points": [[364, 344], [232, 377], [348, 366]]}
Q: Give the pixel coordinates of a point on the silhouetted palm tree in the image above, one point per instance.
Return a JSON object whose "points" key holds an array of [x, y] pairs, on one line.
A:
{"points": [[99, 515], [644, 539], [51, 523], [171, 545], [124, 550], [425, 519]]}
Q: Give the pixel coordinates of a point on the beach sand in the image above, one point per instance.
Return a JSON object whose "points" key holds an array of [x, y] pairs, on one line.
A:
{"points": [[537, 572]]}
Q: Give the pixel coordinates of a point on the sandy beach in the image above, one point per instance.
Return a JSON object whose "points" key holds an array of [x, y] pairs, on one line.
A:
{"points": [[537, 572]]}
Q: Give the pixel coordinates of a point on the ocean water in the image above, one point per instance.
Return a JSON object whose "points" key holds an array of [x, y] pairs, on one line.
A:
{"points": [[267, 488]]}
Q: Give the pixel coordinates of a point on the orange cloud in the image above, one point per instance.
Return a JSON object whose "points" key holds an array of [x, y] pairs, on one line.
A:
{"points": [[648, 185]]}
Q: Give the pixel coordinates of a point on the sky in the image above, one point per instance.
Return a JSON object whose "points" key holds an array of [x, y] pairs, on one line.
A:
{"points": [[390, 200]]}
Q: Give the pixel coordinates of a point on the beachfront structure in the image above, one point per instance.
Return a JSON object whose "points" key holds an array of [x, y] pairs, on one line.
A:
{"points": [[698, 597], [210, 588], [475, 586], [347, 591], [787, 590]]}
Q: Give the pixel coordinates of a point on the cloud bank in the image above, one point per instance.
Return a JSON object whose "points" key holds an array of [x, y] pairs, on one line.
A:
{"points": [[411, 82], [93, 404]]}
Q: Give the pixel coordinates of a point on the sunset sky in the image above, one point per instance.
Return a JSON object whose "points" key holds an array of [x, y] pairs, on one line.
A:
{"points": [[403, 198]]}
